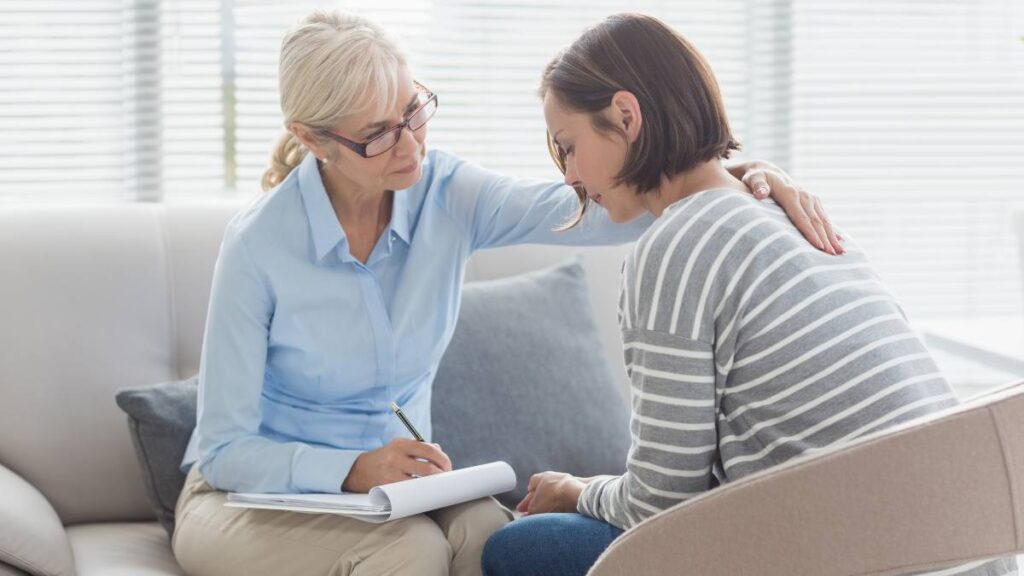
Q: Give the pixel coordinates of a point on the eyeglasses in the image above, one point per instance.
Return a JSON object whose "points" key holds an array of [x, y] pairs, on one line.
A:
{"points": [[387, 140]]}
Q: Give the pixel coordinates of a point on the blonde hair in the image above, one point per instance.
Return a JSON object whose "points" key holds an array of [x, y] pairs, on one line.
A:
{"points": [[330, 62]]}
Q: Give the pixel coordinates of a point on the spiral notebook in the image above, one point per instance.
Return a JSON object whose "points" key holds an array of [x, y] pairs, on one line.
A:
{"points": [[395, 500]]}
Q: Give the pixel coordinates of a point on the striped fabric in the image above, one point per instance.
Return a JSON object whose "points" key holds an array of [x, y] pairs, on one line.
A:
{"points": [[746, 347]]}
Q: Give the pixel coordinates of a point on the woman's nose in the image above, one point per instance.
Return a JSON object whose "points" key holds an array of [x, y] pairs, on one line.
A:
{"points": [[571, 177], [409, 141]]}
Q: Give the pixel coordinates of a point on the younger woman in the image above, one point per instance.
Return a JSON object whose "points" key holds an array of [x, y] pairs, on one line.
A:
{"points": [[745, 346]]}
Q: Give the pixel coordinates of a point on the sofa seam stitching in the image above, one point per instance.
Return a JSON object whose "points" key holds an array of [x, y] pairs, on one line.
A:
{"points": [[172, 308], [20, 559], [1011, 479]]}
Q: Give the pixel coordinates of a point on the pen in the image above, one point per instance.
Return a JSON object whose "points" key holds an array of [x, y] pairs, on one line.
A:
{"points": [[401, 416]]}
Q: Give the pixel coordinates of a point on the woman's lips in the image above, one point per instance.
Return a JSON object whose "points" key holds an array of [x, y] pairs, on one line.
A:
{"points": [[596, 198], [409, 169]]}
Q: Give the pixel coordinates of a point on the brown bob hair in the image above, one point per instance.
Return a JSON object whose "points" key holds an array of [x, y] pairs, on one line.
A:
{"points": [[684, 120]]}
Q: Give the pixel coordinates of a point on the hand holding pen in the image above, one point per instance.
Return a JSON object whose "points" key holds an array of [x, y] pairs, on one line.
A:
{"points": [[400, 459]]}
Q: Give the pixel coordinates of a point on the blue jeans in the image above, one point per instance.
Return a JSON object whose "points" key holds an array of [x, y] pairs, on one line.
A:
{"points": [[547, 544]]}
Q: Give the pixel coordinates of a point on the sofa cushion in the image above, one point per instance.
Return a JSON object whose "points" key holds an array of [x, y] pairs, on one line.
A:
{"points": [[32, 538], [122, 549], [524, 380], [160, 419]]}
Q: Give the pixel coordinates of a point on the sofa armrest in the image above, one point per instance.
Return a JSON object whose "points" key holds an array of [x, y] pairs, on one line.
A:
{"points": [[32, 538]]}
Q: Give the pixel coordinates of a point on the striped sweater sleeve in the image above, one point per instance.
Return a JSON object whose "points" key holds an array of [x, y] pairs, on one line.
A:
{"points": [[673, 430]]}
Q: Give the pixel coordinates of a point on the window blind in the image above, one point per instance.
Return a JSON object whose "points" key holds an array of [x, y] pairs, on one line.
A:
{"points": [[63, 76], [905, 116], [484, 59]]}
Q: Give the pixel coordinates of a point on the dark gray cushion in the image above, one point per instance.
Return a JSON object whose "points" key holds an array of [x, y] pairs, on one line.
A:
{"points": [[160, 419], [524, 380]]}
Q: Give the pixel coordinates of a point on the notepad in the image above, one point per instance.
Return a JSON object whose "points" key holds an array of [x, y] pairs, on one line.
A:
{"points": [[395, 500]]}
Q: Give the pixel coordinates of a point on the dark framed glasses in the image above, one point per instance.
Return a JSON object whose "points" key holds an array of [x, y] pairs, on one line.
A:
{"points": [[388, 139]]}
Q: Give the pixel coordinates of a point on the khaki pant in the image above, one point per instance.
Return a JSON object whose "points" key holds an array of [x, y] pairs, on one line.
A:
{"points": [[213, 539]]}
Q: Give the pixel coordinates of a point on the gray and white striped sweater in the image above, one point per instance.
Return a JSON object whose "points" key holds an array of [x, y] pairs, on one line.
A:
{"points": [[745, 347]]}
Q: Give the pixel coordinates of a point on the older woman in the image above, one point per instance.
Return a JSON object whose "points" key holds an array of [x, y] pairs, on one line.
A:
{"points": [[336, 294]]}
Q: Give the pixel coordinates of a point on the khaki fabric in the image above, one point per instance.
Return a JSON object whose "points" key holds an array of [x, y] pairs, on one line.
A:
{"points": [[212, 539], [932, 494]]}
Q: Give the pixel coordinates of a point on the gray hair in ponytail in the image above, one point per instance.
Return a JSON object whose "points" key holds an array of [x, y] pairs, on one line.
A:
{"points": [[330, 62]]}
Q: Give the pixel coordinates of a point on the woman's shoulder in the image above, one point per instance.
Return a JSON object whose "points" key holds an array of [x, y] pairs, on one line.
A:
{"points": [[685, 223], [719, 225], [267, 216], [438, 164], [725, 212]]}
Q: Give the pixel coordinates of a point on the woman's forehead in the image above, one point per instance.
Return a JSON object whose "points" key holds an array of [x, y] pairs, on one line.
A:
{"points": [[386, 101], [555, 112]]}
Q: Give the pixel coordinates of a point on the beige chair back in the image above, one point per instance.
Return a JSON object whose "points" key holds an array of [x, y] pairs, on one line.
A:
{"points": [[944, 490]]}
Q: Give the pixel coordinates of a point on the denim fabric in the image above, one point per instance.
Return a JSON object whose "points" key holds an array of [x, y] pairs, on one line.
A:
{"points": [[547, 545]]}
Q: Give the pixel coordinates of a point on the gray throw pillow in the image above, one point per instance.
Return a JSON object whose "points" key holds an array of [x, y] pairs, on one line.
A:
{"points": [[524, 380], [160, 419]]}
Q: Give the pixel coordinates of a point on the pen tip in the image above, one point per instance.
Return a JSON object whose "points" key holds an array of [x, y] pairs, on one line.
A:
{"points": [[394, 407]]}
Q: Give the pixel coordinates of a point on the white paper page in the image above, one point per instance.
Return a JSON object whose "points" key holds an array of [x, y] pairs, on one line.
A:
{"points": [[347, 501], [417, 495], [395, 500], [367, 515]]}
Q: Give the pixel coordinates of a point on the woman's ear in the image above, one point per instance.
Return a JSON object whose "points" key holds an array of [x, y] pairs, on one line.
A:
{"points": [[626, 110], [308, 139]]}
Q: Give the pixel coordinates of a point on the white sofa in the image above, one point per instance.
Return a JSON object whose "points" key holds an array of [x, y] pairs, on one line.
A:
{"points": [[98, 297]]}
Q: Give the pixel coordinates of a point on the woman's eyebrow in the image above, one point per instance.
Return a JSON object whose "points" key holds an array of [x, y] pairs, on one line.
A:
{"points": [[385, 123]]}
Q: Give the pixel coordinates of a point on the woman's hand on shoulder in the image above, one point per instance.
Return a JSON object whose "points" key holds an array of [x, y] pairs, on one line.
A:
{"points": [[765, 179], [401, 459]]}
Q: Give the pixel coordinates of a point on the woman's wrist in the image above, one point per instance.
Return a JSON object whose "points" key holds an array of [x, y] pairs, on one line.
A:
{"points": [[574, 491]]}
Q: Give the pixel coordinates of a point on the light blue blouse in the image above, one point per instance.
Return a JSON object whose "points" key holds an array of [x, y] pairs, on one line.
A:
{"points": [[306, 347]]}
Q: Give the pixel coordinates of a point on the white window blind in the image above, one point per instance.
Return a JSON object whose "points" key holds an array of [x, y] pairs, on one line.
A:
{"points": [[484, 59], [110, 99], [196, 95], [906, 116], [63, 78]]}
